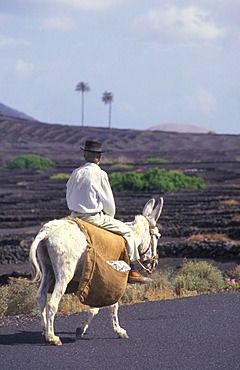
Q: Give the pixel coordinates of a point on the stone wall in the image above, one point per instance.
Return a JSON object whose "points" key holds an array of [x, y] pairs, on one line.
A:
{"points": [[207, 249]]}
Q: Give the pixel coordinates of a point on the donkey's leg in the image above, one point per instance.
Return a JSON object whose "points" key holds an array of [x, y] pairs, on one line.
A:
{"points": [[115, 322], [52, 307], [42, 299], [85, 324]]}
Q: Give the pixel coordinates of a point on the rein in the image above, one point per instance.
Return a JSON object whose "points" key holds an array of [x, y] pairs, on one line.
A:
{"points": [[151, 244]]}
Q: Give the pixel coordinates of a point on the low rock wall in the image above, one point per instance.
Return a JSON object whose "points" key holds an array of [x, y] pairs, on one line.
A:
{"points": [[16, 252], [204, 249]]}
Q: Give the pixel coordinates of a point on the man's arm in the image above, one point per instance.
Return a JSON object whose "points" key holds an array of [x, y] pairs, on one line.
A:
{"points": [[106, 196]]}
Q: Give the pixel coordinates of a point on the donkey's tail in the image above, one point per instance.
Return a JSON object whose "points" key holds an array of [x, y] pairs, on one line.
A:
{"points": [[47, 230], [34, 264]]}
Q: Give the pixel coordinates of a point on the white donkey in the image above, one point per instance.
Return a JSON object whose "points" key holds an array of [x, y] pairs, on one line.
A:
{"points": [[60, 248]]}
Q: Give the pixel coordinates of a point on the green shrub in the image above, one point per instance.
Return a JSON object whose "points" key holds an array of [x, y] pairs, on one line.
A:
{"points": [[181, 181], [60, 176], [201, 277], [156, 160], [30, 161], [126, 181], [155, 179], [237, 159], [132, 181], [116, 180], [235, 273], [124, 166]]}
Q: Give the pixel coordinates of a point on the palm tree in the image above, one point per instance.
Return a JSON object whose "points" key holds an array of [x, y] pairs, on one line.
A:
{"points": [[83, 87], [108, 99]]}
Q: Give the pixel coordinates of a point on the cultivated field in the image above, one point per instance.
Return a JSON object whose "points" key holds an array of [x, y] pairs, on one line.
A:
{"points": [[194, 224]]}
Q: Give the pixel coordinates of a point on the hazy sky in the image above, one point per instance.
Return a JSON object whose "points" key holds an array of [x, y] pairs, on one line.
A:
{"points": [[167, 61]]}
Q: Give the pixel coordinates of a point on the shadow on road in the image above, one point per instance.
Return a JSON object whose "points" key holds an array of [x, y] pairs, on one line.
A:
{"points": [[28, 337]]}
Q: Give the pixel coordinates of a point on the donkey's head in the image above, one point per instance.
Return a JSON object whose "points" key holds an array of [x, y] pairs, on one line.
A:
{"points": [[149, 245]]}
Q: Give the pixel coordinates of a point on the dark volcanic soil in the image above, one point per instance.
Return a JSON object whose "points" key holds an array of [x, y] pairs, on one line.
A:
{"points": [[30, 198]]}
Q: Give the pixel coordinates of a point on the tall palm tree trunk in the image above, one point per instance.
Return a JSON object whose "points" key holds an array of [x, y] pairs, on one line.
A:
{"points": [[82, 87], [107, 98], [110, 115], [82, 108]]}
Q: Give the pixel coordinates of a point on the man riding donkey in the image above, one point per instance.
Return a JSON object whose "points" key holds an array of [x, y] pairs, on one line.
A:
{"points": [[89, 197]]}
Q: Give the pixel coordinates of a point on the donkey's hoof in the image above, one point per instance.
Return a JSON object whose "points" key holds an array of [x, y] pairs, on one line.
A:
{"points": [[79, 332], [55, 341], [122, 334]]}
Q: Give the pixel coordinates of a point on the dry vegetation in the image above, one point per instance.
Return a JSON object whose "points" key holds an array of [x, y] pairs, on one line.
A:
{"points": [[236, 218], [230, 202], [209, 237], [19, 297]]}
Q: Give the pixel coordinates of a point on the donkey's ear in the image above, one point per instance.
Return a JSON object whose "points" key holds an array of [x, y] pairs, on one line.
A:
{"points": [[157, 211], [147, 210]]}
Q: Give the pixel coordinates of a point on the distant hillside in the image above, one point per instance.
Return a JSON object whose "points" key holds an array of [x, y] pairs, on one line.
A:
{"points": [[5, 110], [177, 127], [61, 143]]}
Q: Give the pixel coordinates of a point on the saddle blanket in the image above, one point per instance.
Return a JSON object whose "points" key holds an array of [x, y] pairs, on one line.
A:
{"points": [[100, 283]]}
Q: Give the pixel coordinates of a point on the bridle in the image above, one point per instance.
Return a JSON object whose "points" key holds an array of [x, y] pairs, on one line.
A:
{"points": [[154, 236]]}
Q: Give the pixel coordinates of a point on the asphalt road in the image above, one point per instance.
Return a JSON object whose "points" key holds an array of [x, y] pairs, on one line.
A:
{"points": [[190, 333]]}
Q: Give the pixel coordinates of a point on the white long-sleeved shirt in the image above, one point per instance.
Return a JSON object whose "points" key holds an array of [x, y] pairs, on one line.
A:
{"points": [[89, 191]]}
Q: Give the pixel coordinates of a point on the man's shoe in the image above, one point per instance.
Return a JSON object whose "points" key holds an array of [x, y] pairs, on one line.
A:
{"points": [[135, 277]]}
